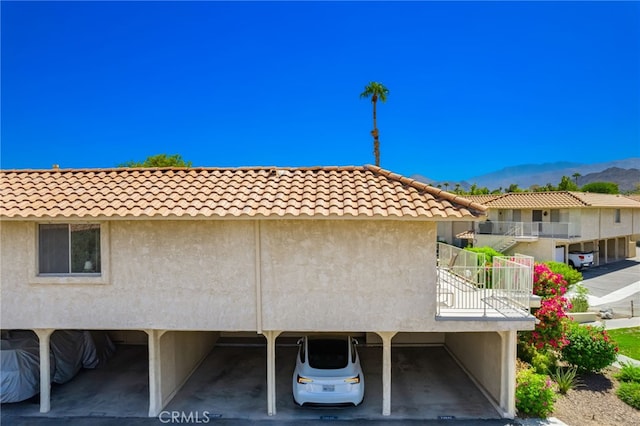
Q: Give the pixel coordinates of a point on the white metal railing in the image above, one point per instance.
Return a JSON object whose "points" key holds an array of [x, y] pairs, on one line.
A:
{"points": [[471, 289], [508, 239], [529, 229], [462, 263]]}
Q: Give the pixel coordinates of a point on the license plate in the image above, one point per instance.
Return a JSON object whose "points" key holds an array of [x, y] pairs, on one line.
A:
{"points": [[328, 388]]}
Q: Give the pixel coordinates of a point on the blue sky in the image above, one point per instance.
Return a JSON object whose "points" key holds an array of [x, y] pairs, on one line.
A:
{"points": [[474, 87]]}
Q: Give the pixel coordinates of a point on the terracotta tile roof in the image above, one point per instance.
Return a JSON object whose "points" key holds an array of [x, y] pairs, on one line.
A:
{"points": [[483, 198], [366, 191], [466, 235], [558, 199]]}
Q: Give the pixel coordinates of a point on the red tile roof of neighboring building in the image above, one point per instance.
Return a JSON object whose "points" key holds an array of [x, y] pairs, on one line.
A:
{"points": [[555, 199], [367, 192]]}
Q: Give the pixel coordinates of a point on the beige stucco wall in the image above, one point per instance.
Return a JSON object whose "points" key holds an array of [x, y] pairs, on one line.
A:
{"points": [[541, 250], [481, 356], [201, 275], [408, 339], [161, 274], [600, 223], [447, 231], [237, 275], [363, 276], [181, 352]]}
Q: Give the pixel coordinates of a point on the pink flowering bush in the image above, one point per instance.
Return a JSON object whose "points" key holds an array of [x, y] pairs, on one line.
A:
{"points": [[546, 283], [550, 332]]}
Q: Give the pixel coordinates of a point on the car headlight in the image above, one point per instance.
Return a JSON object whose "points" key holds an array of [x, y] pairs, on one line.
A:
{"points": [[304, 380], [353, 380]]}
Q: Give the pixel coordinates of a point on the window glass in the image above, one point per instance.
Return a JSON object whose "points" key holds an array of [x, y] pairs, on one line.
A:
{"points": [[537, 215], [54, 249], [617, 215], [328, 354], [85, 248], [65, 249]]}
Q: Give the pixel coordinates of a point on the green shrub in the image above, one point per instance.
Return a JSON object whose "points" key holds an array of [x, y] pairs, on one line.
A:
{"points": [[489, 253], [580, 302], [590, 349], [629, 392], [570, 275], [534, 393], [601, 187], [565, 378], [543, 361], [629, 373]]}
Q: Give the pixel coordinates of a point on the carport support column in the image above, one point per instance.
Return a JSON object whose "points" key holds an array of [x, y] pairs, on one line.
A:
{"points": [[44, 335], [155, 372], [271, 336], [386, 370], [508, 382]]}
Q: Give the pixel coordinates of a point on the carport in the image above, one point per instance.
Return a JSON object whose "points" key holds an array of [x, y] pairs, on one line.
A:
{"points": [[119, 387], [428, 381], [271, 370]]}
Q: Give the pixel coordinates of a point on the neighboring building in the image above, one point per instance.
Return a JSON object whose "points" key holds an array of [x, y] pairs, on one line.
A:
{"points": [[183, 256], [548, 225]]}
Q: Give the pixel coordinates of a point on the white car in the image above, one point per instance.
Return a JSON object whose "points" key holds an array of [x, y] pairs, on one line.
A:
{"points": [[580, 259], [328, 371]]}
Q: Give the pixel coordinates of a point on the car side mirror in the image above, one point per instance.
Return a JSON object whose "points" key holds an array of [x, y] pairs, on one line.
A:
{"points": [[355, 341], [300, 340]]}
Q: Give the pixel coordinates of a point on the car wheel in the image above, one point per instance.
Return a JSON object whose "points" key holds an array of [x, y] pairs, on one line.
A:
{"points": [[572, 265]]}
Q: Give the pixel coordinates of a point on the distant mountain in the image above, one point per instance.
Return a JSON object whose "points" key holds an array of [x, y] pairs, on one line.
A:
{"points": [[623, 172], [627, 179]]}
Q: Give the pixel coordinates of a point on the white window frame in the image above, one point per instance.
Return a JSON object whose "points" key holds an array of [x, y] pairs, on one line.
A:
{"points": [[101, 277]]}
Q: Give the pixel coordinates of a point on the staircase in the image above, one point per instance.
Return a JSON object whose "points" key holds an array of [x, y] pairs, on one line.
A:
{"points": [[507, 241]]}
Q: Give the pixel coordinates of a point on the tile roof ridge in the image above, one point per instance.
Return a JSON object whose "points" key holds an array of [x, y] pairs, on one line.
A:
{"points": [[196, 168], [421, 186], [578, 196]]}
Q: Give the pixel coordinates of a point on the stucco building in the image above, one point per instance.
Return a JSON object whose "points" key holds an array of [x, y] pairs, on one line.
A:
{"points": [[184, 256], [548, 225]]}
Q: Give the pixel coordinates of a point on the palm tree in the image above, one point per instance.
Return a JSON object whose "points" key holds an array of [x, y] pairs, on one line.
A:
{"points": [[576, 175], [376, 91]]}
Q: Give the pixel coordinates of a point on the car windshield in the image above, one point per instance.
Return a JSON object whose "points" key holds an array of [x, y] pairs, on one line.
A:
{"points": [[328, 354]]}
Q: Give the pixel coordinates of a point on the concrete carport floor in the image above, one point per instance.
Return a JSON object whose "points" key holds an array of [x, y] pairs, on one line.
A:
{"points": [[426, 384], [231, 384], [118, 389]]}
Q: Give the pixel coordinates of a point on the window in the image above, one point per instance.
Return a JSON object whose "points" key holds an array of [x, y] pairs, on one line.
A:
{"points": [[69, 249], [537, 215], [617, 215]]}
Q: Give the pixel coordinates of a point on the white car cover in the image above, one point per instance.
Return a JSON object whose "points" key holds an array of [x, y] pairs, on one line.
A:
{"points": [[71, 350], [20, 366]]}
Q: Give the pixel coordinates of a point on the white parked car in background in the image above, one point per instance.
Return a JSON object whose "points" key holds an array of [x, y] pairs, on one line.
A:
{"points": [[580, 259], [328, 371]]}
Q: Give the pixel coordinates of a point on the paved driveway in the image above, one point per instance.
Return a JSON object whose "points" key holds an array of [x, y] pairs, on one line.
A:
{"points": [[615, 285], [231, 384], [426, 384]]}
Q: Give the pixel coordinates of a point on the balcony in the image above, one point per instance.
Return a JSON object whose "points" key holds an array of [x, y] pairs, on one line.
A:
{"points": [[467, 289], [531, 231]]}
